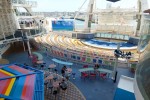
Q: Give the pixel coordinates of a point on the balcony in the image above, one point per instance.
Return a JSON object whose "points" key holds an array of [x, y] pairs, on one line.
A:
{"points": [[24, 3], [20, 34]]}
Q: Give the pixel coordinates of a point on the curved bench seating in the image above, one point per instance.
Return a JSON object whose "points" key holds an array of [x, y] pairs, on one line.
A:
{"points": [[73, 49]]}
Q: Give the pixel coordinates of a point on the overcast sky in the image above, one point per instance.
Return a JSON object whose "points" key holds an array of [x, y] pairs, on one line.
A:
{"points": [[74, 5]]}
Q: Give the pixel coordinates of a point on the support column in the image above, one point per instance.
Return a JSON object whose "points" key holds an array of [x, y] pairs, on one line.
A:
{"points": [[88, 19], [28, 44], [0, 55]]}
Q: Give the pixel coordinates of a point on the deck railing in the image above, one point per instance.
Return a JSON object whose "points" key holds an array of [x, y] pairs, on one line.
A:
{"points": [[24, 2], [126, 29]]}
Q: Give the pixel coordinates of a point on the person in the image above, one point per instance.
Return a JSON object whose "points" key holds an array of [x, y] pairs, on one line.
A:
{"points": [[63, 71], [96, 66], [46, 51], [63, 85], [122, 55]]}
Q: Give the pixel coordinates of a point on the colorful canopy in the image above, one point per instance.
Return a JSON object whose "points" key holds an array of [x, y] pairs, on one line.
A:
{"points": [[21, 82]]}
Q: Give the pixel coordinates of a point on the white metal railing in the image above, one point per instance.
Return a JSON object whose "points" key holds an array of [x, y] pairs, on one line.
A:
{"points": [[31, 33], [79, 27], [122, 29], [38, 14], [24, 2], [32, 3], [23, 14], [112, 35]]}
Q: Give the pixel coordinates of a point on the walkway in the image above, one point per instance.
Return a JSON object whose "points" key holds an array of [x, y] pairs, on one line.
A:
{"points": [[92, 89]]}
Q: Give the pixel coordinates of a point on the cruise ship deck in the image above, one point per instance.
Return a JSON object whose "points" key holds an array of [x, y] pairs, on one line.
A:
{"points": [[91, 88], [104, 57]]}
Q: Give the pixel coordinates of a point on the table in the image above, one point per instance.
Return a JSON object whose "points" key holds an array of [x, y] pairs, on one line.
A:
{"points": [[56, 84], [69, 70], [40, 57], [39, 62], [105, 70], [86, 69], [99, 69], [52, 66], [50, 77], [62, 62]]}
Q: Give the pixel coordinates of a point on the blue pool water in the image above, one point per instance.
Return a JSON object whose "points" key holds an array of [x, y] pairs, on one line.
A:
{"points": [[68, 25], [108, 45]]}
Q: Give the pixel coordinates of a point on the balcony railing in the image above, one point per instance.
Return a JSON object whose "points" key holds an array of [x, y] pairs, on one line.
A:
{"points": [[126, 29], [24, 2], [28, 15]]}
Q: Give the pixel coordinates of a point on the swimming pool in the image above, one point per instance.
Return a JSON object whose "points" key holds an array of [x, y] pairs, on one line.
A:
{"points": [[108, 45]]}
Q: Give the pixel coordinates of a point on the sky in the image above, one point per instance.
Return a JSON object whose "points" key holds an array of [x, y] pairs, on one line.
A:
{"points": [[74, 5]]}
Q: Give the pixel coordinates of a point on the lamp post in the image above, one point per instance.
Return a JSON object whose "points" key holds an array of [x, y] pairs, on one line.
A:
{"points": [[116, 65], [25, 39]]}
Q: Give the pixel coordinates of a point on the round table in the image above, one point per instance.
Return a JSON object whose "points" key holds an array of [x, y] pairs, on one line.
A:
{"points": [[52, 66], [39, 62], [69, 70], [56, 84], [50, 77]]}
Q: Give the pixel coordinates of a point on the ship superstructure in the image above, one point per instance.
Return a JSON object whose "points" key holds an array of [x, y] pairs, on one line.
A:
{"points": [[18, 23]]}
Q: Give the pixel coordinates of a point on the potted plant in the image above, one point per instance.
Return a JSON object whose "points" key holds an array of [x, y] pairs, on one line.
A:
{"points": [[133, 67]]}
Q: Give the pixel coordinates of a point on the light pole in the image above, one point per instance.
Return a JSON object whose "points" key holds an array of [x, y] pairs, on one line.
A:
{"points": [[116, 65], [28, 44]]}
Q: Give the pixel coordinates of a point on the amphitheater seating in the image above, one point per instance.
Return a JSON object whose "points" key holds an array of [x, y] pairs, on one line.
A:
{"points": [[73, 49]]}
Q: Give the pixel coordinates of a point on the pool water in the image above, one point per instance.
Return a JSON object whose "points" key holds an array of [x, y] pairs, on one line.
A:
{"points": [[108, 45]]}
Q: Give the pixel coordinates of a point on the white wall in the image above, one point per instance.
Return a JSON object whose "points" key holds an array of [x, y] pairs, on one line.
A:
{"points": [[138, 95], [145, 4]]}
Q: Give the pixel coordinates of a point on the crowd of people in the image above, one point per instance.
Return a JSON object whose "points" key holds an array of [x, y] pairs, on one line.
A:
{"points": [[122, 54]]}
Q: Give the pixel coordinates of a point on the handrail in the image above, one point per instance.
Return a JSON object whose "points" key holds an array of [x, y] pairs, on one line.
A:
{"points": [[24, 2], [20, 75], [9, 97]]}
